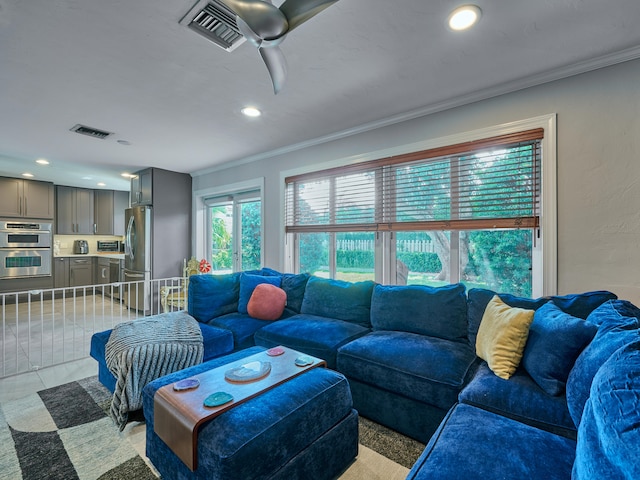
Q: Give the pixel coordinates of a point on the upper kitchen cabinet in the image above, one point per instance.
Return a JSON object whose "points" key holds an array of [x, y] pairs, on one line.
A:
{"points": [[109, 211], [74, 209], [142, 188], [26, 198]]}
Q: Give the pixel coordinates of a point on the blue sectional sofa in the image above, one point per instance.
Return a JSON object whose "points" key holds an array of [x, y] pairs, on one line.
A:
{"points": [[513, 429], [409, 355]]}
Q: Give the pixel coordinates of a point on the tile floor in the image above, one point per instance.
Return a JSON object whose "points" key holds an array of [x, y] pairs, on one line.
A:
{"points": [[42, 333]]}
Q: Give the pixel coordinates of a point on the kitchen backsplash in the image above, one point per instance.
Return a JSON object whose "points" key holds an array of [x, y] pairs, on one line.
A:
{"points": [[63, 244]]}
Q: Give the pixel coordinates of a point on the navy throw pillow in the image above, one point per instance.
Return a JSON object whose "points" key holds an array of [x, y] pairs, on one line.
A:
{"points": [[555, 341]]}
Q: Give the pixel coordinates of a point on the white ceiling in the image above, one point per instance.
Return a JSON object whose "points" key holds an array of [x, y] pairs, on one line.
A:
{"points": [[130, 68]]}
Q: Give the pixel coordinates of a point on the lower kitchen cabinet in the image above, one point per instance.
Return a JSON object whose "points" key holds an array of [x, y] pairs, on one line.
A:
{"points": [[73, 272], [80, 272], [60, 272]]}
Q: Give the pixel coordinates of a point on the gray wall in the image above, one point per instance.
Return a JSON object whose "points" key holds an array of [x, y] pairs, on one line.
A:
{"points": [[598, 128]]}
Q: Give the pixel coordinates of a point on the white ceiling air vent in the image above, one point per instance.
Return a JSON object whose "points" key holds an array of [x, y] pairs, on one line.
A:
{"points": [[91, 132], [214, 21]]}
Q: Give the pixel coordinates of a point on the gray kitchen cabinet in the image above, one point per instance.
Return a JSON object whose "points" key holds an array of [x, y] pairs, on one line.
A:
{"points": [[109, 207], [80, 271], [75, 211], [60, 272], [171, 218], [142, 188], [26, 198]]}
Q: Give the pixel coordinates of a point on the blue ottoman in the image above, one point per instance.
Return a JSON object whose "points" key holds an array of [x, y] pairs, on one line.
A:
{"points": [[305, 428]]}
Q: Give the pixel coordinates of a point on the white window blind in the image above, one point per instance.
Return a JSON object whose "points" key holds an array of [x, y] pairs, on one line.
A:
{"points": [[490, 183]]}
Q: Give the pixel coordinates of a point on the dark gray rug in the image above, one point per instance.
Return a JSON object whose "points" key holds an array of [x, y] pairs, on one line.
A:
{"points": [[65, 433], [391, 444]]}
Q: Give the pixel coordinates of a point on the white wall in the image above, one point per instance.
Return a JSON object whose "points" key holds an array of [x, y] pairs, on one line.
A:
{"points": [[598, 128]]}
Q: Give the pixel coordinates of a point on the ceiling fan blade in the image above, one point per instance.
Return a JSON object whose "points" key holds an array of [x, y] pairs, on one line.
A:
{"points": [[277, 66], [264, 19], [299, 11]]}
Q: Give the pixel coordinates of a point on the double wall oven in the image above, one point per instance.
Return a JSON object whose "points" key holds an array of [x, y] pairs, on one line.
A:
{"points": [[25, 249]]}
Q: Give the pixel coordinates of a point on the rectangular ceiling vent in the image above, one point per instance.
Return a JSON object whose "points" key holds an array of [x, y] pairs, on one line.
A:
{"points": [[214, 21], [91, 132]]}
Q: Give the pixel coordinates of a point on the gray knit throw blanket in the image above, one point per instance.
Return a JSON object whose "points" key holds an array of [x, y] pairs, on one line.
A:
{"points": [[140, 351]]}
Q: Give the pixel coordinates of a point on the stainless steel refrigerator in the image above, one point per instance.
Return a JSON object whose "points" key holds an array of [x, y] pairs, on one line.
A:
{"points": [[137, 258]]}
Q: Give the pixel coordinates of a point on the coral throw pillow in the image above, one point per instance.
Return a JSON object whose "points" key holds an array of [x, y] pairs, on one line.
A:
{"points": [[267, 302], [502, 336]]}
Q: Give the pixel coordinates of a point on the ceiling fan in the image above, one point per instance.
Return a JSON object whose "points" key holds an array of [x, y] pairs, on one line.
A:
{"points": [[265, 26]]}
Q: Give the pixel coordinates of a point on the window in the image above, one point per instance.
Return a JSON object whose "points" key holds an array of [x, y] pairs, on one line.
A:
{"points": [[468, 212], [234, 231]]}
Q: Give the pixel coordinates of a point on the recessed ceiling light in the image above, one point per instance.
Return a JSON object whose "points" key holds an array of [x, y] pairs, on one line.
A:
{"points": [[42, 161], [127, 175], [251, 112], [27, 174], [464, 17], [101, 184]]}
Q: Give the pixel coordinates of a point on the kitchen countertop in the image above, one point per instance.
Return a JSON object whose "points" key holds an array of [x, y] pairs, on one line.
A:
{"points": [[119, 256]]}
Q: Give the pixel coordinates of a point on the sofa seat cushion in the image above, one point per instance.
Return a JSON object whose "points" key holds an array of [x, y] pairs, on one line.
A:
{"points": [[519, 398], [618, 322], [427, 369], [609, 431], [435, 311], [242, 326], [314, 335], [472, 443]]}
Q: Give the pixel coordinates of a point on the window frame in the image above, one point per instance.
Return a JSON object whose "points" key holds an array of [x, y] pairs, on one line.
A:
{"points": [[544, 252], [201, 215]]}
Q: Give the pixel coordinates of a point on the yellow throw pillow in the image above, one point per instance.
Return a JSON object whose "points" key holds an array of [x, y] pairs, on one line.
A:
{"points": [[502, 336]]}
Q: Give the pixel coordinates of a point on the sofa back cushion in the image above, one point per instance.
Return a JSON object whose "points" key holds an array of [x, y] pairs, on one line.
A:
{"points": [[434, 311], [348, 301], [609, 437], [213, 295], [294, 285], [579, 305], [618, 324]]}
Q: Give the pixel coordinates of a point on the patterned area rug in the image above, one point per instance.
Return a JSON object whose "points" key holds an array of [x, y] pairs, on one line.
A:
{"points": [[64, 433]]}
